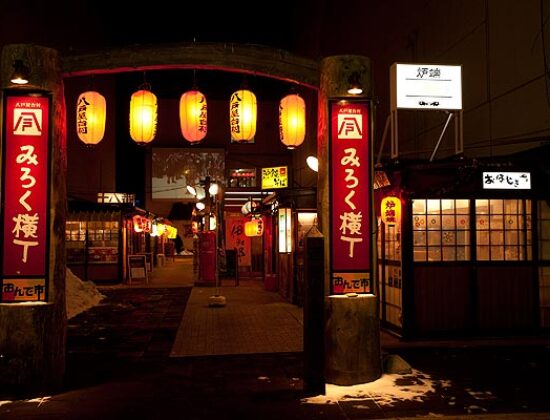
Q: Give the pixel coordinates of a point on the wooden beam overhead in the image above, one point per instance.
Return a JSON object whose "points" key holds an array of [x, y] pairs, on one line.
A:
{"points": [[238, 58]]}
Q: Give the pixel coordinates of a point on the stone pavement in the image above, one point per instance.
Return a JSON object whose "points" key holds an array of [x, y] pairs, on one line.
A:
{"points": [[121, 365], [252, 321]]}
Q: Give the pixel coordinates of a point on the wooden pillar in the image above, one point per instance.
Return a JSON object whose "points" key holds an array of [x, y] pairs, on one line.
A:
{"points": [[33, 336], [352, 333]]}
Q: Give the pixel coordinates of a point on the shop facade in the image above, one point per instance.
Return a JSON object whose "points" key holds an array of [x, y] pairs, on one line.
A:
{"points": [[464, 248], [101, 240]]}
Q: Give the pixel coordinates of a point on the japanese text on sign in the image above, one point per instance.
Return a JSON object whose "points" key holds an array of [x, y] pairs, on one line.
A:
{"points": [[350, 187], [425, 86], [507, 180], [351, 283], [275, 177], [350, 207], [21, 290], [25, 196]]}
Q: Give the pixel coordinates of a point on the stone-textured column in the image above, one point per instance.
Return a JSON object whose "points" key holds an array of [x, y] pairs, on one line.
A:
{"points": [[352, 330], [33, 337], [352, 337]]}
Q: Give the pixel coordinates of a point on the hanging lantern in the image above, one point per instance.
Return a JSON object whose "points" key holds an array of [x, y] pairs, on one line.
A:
{"points": [[138, 223], [143, 116], [171, 232], [90, 117], [193, 115], [255, 227], [161, 228], [292, 121], [390, 210], [154, 230], [242, 116]]}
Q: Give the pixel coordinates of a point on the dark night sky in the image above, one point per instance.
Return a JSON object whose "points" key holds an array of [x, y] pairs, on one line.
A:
{"points": [[306, 27]]}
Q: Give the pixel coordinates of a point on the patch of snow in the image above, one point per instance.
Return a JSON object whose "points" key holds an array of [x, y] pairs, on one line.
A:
{"points": [[385, 390], [80, 295]]}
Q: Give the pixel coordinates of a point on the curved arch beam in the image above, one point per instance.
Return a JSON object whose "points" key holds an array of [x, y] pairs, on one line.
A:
{"points": [[248, 59]]}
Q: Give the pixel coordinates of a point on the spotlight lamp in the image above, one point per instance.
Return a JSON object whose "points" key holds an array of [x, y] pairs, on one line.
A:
{"points": [[355, 87], [20, 74]]}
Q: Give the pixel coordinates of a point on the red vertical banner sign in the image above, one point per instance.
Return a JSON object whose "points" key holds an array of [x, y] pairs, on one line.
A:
{"points": [[350, 204], [25, 198]]}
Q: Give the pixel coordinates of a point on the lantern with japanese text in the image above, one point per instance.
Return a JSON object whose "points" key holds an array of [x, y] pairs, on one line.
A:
{"points": [[254, 227], [141, 224], [143, 116], [90, 117], [390, 210], [193, 116], [292, 121], [138, 223], [242, 116]]}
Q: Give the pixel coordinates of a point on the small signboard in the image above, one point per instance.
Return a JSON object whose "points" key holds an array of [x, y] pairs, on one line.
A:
{"points": [[351, 283], [506, 181], [425, 86], [276, 177], [137, 267]]}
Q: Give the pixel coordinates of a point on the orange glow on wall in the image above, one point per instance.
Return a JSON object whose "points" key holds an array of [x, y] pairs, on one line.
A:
{"points": [[143, 116], [91, 112], [193, 116], [292, 121]]}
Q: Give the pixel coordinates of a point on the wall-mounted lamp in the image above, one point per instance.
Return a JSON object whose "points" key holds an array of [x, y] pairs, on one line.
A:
{"points": [[20, 75], [354, 81], [313, 163]]}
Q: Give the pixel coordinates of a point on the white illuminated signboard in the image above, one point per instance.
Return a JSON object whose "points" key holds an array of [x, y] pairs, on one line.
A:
{"points": [[506, 180], [425, 86]]}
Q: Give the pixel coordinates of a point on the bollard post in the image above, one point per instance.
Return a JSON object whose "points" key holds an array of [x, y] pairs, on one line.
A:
{"points": [[314, 324]]}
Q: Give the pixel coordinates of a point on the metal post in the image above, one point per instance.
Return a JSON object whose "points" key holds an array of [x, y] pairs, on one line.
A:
{"points": [[441, 136]]}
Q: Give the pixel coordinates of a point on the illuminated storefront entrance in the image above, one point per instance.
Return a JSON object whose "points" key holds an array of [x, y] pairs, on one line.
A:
{"points": [[463, 259]]}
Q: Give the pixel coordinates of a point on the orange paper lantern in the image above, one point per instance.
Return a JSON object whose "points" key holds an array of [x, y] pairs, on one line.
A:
{"points": [[193, 116], [90, 117], [242, 116], [143, 116], [255, 227], [390, 210], [292, 121]]}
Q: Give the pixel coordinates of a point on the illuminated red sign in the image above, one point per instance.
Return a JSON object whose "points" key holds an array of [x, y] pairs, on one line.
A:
{"points": [[350, 163], [25, 185]]}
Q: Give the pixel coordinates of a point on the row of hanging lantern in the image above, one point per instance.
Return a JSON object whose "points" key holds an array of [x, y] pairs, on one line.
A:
{"points": [[193, 112]]}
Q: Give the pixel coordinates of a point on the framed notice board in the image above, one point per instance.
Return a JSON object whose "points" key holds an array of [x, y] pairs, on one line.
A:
{"points": [[137, 267]]}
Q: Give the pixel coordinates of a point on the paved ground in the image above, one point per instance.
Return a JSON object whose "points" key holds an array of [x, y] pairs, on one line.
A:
{"points": [[119, 367]]}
